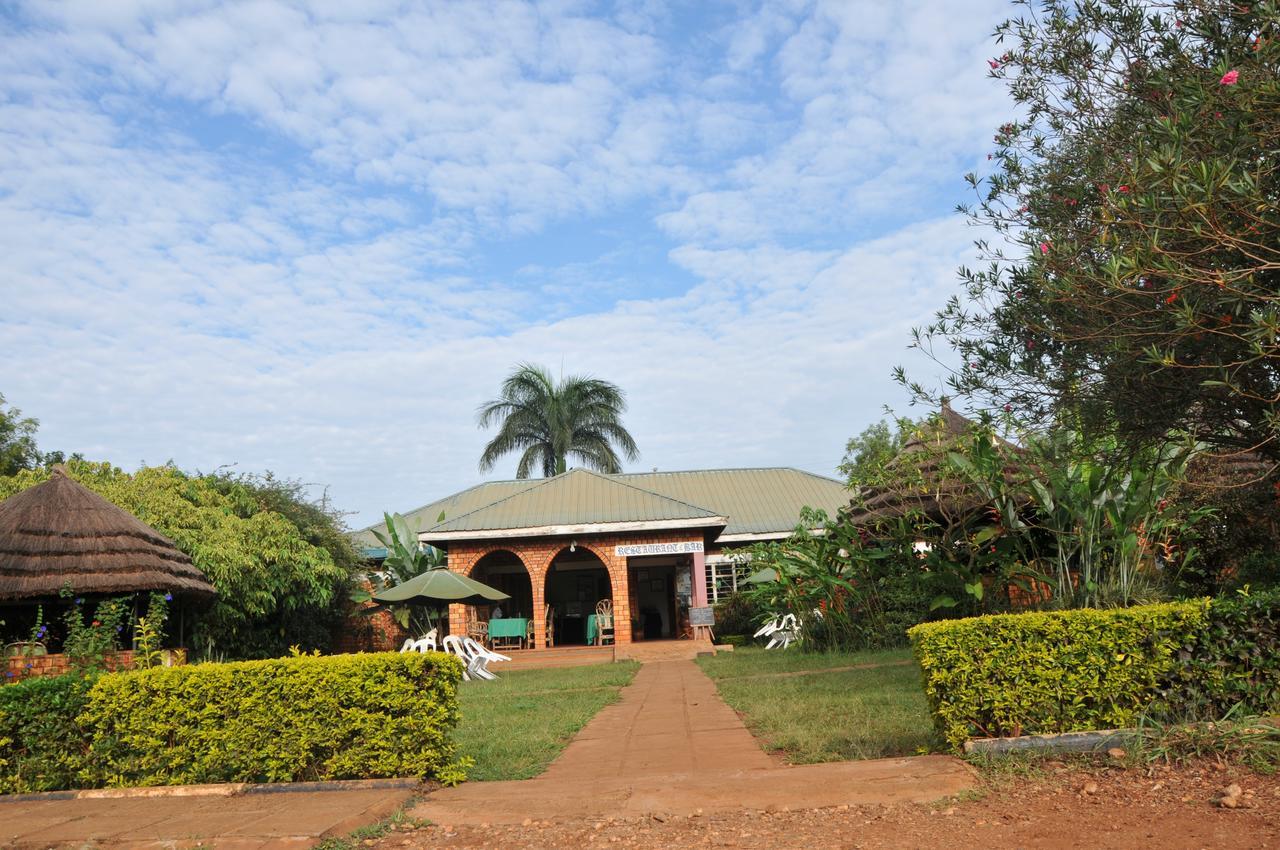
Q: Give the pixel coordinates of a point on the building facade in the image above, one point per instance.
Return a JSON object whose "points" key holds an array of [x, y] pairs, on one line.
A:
{"points": [[655, 544]]}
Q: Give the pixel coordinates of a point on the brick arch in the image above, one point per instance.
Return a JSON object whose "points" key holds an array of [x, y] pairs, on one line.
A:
{"points": [[464, 559], [616, 569]]}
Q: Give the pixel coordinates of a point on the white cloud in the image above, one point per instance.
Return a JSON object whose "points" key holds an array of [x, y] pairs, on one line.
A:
{"points": [[261, 232]]}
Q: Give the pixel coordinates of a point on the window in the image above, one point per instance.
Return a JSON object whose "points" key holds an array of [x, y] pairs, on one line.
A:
{"points": [[724, 576]]}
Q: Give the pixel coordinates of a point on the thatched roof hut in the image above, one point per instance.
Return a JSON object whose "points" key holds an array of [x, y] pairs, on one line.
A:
{"points": [[60, 533], [919, 481]]}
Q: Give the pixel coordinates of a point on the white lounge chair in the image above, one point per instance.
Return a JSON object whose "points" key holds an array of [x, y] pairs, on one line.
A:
{"points": [[474, 656], [780, 631], [426, 643]]}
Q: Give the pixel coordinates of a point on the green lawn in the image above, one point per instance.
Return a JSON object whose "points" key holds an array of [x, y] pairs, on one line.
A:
{"points": [[514, 727], [829, 715]]}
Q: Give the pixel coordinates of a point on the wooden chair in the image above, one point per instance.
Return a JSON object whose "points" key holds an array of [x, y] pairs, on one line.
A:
{"points": [[478, 630], [549, 618], [604, 621]]}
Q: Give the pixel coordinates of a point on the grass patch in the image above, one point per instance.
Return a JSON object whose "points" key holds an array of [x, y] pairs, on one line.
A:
{"points": [[831, 715], [755, 661], [515, 726]]}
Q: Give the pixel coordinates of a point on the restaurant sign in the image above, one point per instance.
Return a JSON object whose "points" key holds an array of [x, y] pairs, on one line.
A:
{"points": [[659, 548]]}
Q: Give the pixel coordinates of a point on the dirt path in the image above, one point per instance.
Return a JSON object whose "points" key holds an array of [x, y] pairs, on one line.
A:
{"points": [[672, 746], [1171, 809]]}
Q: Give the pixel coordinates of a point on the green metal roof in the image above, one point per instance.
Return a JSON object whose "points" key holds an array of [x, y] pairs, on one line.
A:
{"points": [[577, 498], [755, 501]]}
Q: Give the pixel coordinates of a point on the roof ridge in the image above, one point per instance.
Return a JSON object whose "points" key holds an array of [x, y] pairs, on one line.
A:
{"points": [[611, 478], [423, 507], [544, 482]]}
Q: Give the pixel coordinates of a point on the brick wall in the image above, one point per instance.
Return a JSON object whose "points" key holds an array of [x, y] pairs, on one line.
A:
{"points": [[537, 553], [25, 667], [369, 632]]}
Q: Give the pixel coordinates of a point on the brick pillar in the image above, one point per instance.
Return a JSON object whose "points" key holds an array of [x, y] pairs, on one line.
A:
{"points": [[621, 586], [538, 579], [699, 580], [457, 624]]}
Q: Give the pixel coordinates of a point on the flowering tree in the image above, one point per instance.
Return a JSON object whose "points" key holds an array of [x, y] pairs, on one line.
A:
{"points": [[1133, 286]]}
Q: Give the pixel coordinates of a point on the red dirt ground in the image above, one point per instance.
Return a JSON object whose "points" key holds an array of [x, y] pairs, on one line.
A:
{"points": [[1099, 807]]}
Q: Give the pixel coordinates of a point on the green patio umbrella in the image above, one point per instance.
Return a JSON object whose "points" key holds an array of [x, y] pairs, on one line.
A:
{"points": [[440, 586], [764, 576]]}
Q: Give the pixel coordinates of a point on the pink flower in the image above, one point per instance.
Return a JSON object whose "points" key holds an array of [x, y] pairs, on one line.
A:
{"points": [[1229, 78], [1123, 189], [1044, 247], [993, 63]]}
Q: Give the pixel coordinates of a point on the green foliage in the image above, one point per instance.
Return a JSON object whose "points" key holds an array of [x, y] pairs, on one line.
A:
{"points": [[550, 421], [866, 455], [278, 584], [86, 645], [1231, 666], [1136, 277], [1081, 517], [278, 720], [406, 558], [848, 590], [17, 440], [149, 632], [1045, 672], [42, 746], [738, 614]]}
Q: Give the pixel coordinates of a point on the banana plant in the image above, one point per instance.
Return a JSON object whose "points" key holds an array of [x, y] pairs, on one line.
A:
{"points": [[406, 558]]}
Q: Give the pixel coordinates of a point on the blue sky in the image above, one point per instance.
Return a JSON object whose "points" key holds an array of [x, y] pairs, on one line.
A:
{"points": [[312, 238]]}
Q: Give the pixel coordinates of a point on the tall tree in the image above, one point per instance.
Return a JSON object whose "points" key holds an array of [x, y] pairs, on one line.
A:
{"points": [[1135, 283], [866, 454], [550, 421], [18, 449]]}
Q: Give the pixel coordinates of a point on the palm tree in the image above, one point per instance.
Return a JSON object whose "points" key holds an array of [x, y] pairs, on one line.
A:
{"points": [[548, 421]]}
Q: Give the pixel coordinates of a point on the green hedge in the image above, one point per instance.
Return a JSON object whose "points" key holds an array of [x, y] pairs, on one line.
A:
{"points": [[1014, 674], [42, 747], [280, 720], [1233, 661]]}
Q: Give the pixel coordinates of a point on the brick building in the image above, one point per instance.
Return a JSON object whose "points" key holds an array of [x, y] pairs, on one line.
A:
{"points": [[653, 543]]}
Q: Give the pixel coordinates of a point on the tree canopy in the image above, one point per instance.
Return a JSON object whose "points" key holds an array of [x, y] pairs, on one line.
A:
{"points": [[281, 564], [1133, 282], [866, 454], [551, 421], [17, 440]]}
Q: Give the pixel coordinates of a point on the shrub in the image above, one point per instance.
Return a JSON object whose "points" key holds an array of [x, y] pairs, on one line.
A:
{"points": [[280, 720], [1232, 665], [42, 747], [1011, 674], [738, 614]]}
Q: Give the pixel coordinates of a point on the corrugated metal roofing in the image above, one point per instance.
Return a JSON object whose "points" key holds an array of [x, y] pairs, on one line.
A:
{"points": [[578, 497], [756, 501]]}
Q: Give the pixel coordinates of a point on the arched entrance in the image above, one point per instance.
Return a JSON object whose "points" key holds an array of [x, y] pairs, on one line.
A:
{"points": [[576, 580], [505, 571]]}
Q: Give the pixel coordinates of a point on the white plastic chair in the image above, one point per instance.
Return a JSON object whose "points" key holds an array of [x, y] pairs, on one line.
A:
{"points": [[426, 643], [474, 656], [780, 631], [483, 657]]}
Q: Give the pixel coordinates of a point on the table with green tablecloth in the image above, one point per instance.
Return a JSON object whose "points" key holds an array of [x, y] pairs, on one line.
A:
{"points": [[509, 627]]}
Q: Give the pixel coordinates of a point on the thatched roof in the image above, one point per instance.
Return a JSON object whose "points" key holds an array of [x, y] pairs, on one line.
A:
{"points": [[918, 480], [60, 533]]}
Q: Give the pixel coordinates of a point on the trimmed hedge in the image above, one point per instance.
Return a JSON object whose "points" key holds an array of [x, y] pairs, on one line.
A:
{"points": [[42, 748], [1233, 661], [279, 720], [1014, 674]]}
